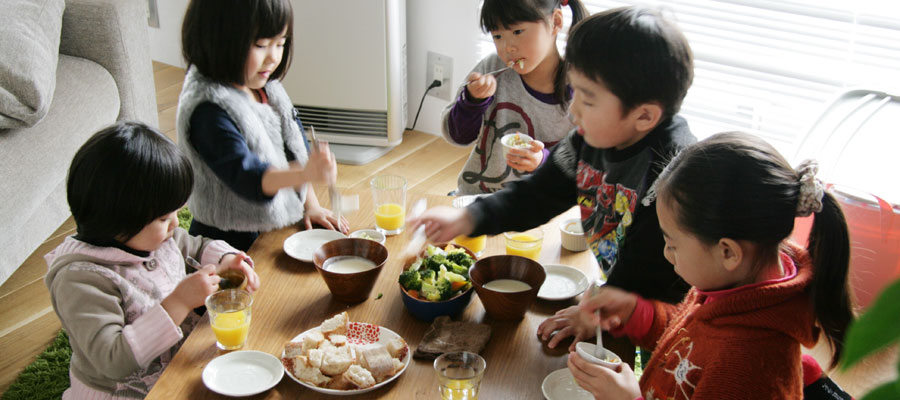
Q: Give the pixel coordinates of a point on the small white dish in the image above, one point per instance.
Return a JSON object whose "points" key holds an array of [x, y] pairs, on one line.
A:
{"points": [[563, 282], [571, 235], [507, 139], [358, 333], [586, 351], [561, 385], [303, 244], [370, 234], [243, 373]]}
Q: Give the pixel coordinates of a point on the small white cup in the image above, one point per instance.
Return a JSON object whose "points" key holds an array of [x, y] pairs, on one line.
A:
{"points": [[509, 137], [571, 235], [586, 351]]}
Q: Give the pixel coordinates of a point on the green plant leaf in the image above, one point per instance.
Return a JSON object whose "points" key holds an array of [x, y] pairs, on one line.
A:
{"points": [[888, 391], [875, 329]]}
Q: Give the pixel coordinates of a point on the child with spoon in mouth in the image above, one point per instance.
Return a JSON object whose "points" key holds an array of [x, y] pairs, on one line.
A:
{"points": [[493, 101]]}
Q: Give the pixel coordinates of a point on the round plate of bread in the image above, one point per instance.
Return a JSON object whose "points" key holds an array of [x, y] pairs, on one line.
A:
{"points": [[343, 357]]}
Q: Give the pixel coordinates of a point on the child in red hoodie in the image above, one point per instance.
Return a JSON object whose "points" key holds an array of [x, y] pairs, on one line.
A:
{"points": [[726, 207]]}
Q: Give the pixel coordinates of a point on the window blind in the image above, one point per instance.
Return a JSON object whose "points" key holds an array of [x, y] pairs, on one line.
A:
{"points": [[770, 67]]}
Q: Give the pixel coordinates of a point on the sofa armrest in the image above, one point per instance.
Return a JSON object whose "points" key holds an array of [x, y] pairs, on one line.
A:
{"points": [[114, 34]]}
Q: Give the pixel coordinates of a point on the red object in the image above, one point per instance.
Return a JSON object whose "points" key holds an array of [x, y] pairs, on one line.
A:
{"points": [[874, 226], [564, 3], [811, 370]]}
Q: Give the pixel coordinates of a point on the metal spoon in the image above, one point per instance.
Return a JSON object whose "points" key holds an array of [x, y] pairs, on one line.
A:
{"points": [[191, 262]]}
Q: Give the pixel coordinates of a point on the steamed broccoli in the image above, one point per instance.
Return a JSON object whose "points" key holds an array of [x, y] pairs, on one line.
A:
{"points": [[452, 277], [434, 262], [444, 287], [411, 280], [430, 292], [460, 257], [428, 276]]}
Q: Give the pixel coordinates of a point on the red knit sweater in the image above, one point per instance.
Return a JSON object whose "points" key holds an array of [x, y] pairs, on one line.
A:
{"points": [[745, 345]]}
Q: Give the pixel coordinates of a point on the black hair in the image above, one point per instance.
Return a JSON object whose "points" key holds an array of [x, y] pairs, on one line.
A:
{"points": [[216, 35], [736, 185], [504, 13], [635, 53], [124, 177]]}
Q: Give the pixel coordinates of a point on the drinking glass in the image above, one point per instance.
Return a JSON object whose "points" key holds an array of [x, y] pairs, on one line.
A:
{"points": [[476, 244], [525, 244], [229, 315], [389, 198], [459, 374]]}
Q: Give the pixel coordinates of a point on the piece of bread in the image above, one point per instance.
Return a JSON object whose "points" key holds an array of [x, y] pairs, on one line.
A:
{"points": [[336, 325], [360, 376], [315, 357], [377, 360], [341, 382], [336, 360], [397, 347], [337, 340], [293, 349], [398, 365], [312, 340], [304, 372]]}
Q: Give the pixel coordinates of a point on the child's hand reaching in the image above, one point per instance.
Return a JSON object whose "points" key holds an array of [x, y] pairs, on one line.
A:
{"points": [[442, 224], [526, 159], [191, 292], [316, 214], [481, 86], [241, 262], [602, 382], [566, 323]]}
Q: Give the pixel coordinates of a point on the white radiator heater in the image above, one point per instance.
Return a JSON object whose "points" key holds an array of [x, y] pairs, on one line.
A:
{"points": [[348, 74]]}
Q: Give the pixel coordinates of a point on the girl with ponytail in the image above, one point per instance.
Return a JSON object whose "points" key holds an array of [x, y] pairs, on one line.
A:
{"points": [[726, 207]]}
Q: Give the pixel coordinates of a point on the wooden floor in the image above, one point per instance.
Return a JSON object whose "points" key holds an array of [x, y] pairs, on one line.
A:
{"points": [[27, 321], [28, 324]]}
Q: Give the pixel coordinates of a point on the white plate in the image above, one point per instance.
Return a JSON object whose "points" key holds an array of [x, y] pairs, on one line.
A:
{"points": [[301, 245], [359, 333], [242, 373], [563, 282], [561, 385]]}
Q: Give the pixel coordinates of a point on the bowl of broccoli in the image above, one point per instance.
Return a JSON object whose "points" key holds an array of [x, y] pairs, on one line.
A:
{"points": [[438, 283]]}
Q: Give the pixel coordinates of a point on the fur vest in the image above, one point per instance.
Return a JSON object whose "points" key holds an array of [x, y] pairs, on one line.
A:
{"points": [[269, 130]]}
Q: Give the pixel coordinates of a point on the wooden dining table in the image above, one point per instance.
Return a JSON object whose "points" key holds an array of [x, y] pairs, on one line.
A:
{"points": [[293, 298]]}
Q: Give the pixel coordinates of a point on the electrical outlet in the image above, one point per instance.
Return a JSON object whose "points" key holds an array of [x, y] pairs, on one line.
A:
{"points": [[439, 67]]}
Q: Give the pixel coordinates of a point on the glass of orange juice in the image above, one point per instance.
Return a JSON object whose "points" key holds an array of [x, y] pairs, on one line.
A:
{"points": [[459, 374], [229, 315], [389, 198], [475, 244], [525, 244]]}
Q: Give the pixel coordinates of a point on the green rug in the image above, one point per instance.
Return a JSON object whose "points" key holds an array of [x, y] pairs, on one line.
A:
{"points": [[47, 377]]}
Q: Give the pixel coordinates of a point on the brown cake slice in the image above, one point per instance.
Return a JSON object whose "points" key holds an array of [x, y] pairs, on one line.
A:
{"points": [[446, 335]]}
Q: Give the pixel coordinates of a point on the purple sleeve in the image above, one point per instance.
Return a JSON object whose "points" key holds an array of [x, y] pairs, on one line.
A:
{"points": [[465, 118]]}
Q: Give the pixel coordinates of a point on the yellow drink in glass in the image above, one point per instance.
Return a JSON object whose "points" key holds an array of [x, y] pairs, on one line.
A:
{"points": [[231, 329], [459, 389], [524, 244], [476, 244], [389, 216], [229, 316]]}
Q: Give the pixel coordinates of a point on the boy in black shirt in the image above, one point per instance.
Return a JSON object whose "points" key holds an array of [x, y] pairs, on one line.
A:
{"points": [[630, 70]]}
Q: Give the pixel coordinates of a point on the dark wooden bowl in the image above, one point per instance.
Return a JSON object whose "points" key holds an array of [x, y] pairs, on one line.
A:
{"points": [[501, 305], [429, 310], [353, 287]]}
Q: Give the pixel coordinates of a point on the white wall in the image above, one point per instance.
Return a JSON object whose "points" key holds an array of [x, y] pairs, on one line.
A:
{"points": [[446, 27], [165, 41]]}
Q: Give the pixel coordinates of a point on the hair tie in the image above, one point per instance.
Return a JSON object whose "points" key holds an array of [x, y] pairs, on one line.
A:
{"points": [[564, 3], [811, 189]]}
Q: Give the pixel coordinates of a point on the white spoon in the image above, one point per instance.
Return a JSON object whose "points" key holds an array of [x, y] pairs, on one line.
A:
{"points": [[599, 351]]}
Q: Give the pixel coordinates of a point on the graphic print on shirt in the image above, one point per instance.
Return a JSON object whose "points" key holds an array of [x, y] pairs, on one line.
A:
{"points": [[606, 213], [683, 388], [488, 146]]}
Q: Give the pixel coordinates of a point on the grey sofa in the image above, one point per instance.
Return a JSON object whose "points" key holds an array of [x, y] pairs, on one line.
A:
{"points": [[104, 73]]}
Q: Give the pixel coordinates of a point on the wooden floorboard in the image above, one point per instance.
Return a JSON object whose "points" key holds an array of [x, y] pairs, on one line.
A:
{"points": [[22, 346]]}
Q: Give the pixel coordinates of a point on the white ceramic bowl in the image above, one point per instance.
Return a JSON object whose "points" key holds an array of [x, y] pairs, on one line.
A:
{"points": [[586, 351], [571, 235], [370, 234], [507, 139]]}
